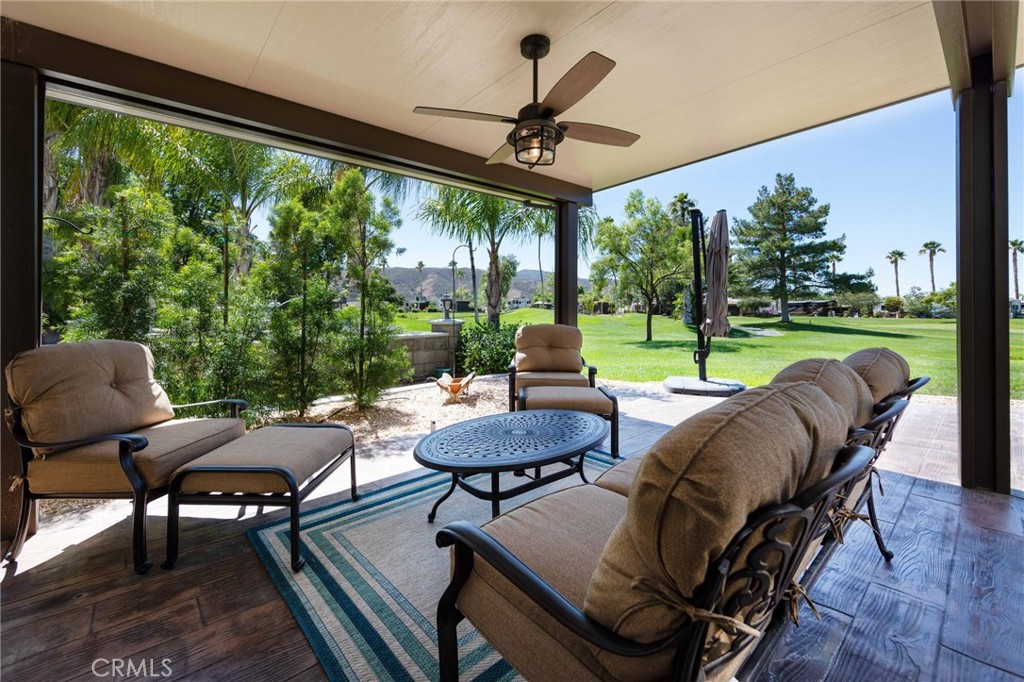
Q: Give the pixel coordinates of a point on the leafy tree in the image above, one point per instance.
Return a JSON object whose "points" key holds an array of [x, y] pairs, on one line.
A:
{"points": [[1016, 246], [894, 257], [893, 304], [369, 359], [647, 247], [539, 223], [479, 218], [119, 271], [931, 248], [916, 303], [304, 329], [782, 250]]}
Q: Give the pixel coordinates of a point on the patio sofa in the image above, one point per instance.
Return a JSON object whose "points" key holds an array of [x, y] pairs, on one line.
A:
{"points": [[675, 563], [92, 422]]}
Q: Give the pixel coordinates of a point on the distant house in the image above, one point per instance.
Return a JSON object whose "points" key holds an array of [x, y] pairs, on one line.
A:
{"points": [[517, 302]]}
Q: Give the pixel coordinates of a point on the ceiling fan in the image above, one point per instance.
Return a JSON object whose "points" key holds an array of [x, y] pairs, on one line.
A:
{"points": [[536, 133]]}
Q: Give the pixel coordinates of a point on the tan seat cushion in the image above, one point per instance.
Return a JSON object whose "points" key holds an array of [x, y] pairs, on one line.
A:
{"points": [[69, 391], [620, 477], [560, 536], [303, 451], [568, 398], [96, 468], [549, 348], [527, 379], [839, 381], [694, 491], [884, 371]]}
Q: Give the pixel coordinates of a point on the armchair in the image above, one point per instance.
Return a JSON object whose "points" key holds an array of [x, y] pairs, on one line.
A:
{"points": [[92, 422], [548, 355]]}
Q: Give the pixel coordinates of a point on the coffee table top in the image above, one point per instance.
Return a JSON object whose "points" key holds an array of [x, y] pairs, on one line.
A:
{"points": [[511, 441]]}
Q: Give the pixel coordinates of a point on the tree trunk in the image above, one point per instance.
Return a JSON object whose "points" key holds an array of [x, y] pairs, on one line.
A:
{"points": [[1016, 279], [540, 267], [650, 317], [896, 267], [472, 272], [494, 287], [302, 339], [783, 298], [931, 267]]}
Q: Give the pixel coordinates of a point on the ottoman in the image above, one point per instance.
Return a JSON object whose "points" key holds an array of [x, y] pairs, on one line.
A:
{"points": [[597, 401], [277, 465]]}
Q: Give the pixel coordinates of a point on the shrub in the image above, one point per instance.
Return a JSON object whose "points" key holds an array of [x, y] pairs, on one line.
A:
{"points": [[486, 349], [753, 305]]}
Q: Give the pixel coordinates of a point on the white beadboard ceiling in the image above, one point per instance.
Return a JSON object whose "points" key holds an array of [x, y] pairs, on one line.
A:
{"points": [[694, 79]]}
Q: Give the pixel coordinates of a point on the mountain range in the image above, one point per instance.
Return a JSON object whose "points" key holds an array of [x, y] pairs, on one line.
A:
{"points": [[436, 282]]}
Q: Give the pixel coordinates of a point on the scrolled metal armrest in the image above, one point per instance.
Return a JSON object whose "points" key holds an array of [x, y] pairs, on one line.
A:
{"points": [[911, 388], [886, 412], [237, 405], [541, 592]]}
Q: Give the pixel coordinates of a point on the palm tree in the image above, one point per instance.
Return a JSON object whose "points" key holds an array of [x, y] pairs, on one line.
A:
{"points": [[894, 257], [931, 248], [1016, 246], [540, 223], [419, 271]]}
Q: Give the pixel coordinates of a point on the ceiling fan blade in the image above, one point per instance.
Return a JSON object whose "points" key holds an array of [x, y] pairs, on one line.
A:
{"points": [[577, 82], [461, 113], [504, 151], [590, 132]]}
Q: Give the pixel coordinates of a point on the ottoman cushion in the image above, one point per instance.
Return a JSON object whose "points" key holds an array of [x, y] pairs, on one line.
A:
{"points": [[568, 398], [303, 451]]}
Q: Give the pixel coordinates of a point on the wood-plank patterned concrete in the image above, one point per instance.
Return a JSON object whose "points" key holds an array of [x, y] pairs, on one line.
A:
{"points": [[949, 607]]}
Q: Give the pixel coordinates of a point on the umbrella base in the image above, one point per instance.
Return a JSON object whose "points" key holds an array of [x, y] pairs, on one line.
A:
{"points": [[713, 387]]}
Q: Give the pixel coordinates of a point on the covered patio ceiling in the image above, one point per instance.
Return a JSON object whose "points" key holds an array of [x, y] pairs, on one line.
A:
{"points": [[694, 79]]}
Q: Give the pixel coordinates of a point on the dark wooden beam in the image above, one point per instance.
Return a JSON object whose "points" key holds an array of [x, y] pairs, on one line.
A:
{"points": [[567, 231], [20, 246], [983, 356], [146, 82]]}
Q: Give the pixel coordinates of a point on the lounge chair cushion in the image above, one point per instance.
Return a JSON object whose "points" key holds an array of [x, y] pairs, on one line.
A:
{"points": [[549, 348], [69, 391], [561, 537], [761, 446], [303, 451], [838, 380], [619, 479], [884, 371], [527, 379], [95, 468]]}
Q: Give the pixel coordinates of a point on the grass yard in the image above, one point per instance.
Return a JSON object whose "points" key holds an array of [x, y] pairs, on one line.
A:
{"points": [[615, 344]]}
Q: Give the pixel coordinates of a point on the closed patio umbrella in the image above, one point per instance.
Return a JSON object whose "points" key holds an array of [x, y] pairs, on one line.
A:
{"points": [[716, 322]]}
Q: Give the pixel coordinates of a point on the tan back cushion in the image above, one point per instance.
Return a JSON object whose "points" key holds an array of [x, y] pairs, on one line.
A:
{"points": [[884, 371], [549, 348], [840, 382], [78, 390], [693, 493]]}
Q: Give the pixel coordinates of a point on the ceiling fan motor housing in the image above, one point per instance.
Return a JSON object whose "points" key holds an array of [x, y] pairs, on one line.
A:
{"points": [[535, 46]]}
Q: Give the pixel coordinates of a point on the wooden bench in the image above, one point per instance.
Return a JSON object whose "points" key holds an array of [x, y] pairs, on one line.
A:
{"points": [[264, 467]]}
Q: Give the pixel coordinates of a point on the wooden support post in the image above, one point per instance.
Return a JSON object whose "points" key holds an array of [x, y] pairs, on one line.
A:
{"points": [[567, 230]]}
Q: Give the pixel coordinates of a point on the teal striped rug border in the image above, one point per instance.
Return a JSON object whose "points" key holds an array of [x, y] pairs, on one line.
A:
{"points": [[386, 665]]}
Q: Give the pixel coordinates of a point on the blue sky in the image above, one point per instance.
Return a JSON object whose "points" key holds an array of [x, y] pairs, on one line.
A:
{"points": [[888, 176]]}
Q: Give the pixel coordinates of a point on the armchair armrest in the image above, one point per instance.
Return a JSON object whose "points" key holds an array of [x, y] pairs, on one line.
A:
{"points": [[134, 441], [886, 412], [591, 374], [911, 388], [237, 406], [469, 540]]}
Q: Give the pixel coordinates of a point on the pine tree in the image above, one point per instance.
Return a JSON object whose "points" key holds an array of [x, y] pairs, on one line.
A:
{"points": [[782, 250]]}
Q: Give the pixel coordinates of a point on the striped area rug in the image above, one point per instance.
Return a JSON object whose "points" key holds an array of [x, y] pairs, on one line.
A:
{"points": [[367, 598]]}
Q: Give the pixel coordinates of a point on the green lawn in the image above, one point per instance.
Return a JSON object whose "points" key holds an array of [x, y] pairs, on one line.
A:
{"points": [[615, 344]]}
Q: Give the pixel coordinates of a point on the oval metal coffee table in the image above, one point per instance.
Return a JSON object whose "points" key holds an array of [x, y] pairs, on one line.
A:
{"points": [[511, 441]]}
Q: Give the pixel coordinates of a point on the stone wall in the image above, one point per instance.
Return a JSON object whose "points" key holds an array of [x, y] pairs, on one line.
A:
{"points": [[427, 351]]}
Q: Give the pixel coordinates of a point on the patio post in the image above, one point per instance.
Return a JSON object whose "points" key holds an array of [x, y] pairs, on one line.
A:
{"points": [[567, 230], [21, 208]]}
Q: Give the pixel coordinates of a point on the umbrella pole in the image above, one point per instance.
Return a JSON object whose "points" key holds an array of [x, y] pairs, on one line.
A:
{"points": [[697, 236]]}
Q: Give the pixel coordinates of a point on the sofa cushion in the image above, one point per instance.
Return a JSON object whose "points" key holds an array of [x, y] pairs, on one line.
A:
{"points": [[526, 379], [884, 371], [694, 491], [838, 380], [303, 451], [549, 348], [620, 477], [69, 391], [560, 536], [95, 468]]}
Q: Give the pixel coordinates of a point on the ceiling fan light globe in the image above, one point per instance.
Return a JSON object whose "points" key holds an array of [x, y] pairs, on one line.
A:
{"points": [[535, 142]]}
